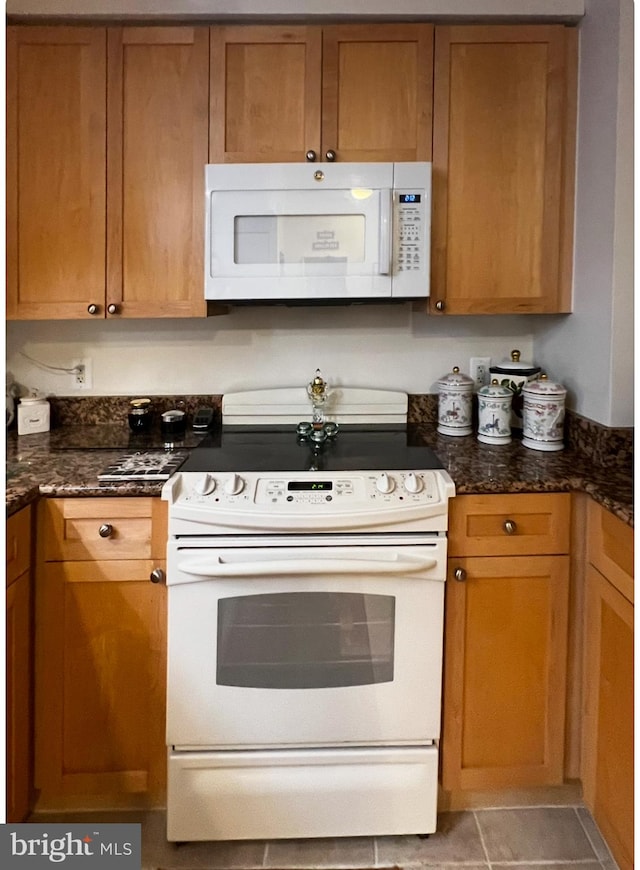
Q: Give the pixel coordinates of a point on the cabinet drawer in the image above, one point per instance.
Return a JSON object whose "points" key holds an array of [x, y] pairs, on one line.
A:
{"points": [[97, 528], [515, 524], [610, 548], [18, 544]]}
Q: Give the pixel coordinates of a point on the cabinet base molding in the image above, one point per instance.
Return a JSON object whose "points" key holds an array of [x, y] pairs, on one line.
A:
{"points": [[567, 794], [98, 803]]}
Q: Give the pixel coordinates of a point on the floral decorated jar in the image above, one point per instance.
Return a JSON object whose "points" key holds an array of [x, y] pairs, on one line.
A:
{"points": [[514, 374], [543, 414], [455, 397], [494, 414]]}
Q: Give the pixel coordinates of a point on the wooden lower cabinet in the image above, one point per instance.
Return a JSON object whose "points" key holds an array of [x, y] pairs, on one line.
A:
{"points": [[100, 664], [607, 748], [505, 643], [19, 667]]}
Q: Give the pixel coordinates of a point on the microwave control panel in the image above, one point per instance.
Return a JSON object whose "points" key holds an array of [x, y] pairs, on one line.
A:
{"points": [[411, 241]]}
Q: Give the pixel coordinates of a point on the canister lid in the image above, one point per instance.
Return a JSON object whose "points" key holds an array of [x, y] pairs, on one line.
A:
{"points": [[140, 403], [515, 366], [544, 387], [495, 390], [456, 378]]}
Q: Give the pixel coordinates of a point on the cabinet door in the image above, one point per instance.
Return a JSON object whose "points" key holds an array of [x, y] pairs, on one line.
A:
{"points": [[607, 752], [56, 171], [18, 698], [505, 672], [377, 91], [157, 150], [100, 685], [265, 94], [503, 167]]}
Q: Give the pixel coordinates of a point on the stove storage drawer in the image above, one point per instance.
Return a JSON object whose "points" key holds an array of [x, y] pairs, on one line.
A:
{"points": [[82, 529], [517, 524]]}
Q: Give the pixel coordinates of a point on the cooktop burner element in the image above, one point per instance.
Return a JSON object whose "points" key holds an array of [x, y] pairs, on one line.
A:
{"points": [[145, 465]]}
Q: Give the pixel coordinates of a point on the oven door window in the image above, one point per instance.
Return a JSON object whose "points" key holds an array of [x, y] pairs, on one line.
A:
{"points": [[305, 640]]}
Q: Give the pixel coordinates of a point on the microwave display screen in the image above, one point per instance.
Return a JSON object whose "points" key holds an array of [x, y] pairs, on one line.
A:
{"points": [[410, 197], [299, 239]]}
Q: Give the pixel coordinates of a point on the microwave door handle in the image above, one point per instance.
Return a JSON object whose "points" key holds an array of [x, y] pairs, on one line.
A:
{"points": [[386, 225], [216, 569]]}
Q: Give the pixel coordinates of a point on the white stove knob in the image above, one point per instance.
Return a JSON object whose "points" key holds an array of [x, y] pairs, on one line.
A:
{"points": [[413, 483], [384, 483], [234, 485], [205, 484]]}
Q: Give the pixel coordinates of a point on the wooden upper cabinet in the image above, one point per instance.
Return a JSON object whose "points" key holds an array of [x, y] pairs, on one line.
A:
{"points": [[377, 92], [157, 149], [363, 92], [56, 170], [503, 168], [265, 94]]}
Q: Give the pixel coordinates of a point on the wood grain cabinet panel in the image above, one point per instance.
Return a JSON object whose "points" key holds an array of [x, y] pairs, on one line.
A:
{"points": [[56, 171], [503, 168], [608, 684], [377, 91], [265, 94], [157, 148], [505, 645], [363, 92], [100, 657], [19, 668]]}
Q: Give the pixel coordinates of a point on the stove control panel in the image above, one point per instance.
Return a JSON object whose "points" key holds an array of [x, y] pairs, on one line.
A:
{"points": [[363, 490]]}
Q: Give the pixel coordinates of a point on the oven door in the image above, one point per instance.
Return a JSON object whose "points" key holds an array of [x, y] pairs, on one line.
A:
{"points": [[305, 646]]}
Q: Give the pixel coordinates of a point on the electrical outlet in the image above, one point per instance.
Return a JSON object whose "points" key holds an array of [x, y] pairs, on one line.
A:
{"points": [[479, 370], [83, 374]]}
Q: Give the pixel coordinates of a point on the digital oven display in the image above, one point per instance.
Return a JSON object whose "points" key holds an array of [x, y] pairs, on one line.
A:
{"points": [[304, 485], [410, 197]]}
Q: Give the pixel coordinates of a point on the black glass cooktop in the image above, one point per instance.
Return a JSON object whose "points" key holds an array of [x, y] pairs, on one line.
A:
{"points": [[273, 449]]}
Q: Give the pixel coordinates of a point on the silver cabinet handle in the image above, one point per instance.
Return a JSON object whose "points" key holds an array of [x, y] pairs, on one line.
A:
{"points": [[112, 308], [330, 155], [310, 155], [105, 530], [510, 527], [92, 308], [157, 576], [460, 575], [440, 305]]}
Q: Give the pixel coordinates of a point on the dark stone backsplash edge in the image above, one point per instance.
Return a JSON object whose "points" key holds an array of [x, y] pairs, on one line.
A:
{"points": [[606, 447]]}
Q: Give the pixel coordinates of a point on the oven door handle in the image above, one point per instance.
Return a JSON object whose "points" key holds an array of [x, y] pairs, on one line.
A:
{"points": [[281, 567]]}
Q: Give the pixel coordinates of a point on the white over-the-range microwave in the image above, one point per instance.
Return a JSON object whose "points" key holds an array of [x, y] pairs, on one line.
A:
{"points": [[295, 233]]}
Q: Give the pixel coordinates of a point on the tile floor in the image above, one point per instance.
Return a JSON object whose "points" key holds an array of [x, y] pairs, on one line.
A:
{"points": [[528, 838]]}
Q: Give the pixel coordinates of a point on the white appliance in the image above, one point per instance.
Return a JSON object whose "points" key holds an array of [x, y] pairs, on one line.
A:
{"points": [[305, 614], [340, 232]]}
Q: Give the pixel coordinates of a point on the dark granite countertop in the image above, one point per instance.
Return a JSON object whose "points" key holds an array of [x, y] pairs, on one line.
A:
{"points": [[66, 462]]}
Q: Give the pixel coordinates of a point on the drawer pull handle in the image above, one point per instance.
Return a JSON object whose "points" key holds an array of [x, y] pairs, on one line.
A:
{"points": [[460, 575], [105, 530], [157, 576], [510, 527]]}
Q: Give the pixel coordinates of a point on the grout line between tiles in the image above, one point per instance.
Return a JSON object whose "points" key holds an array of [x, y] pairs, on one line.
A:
{"points": [[375, 852], [591, 843], [481, 835], [265, 853]]}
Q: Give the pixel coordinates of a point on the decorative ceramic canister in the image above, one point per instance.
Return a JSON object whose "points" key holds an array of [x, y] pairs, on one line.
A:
{"points": [[494, 414], [543, 414], [514, 374], [455, 395]]}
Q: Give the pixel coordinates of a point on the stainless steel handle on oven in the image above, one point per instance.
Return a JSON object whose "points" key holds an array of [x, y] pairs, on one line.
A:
{"points": [[385, 231], [282, 567]]}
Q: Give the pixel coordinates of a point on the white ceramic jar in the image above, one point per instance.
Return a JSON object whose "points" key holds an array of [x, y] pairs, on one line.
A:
{"points": [[543, 414], [514, 373], [33, 415], [494, 414], [455, 398]]}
